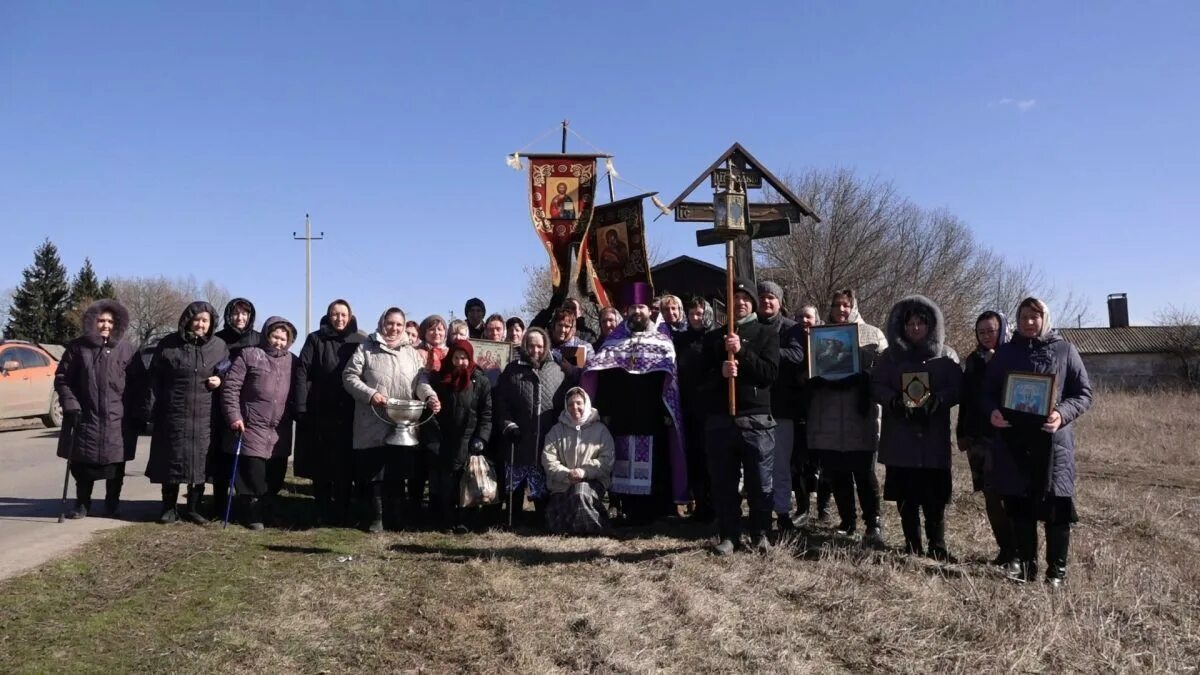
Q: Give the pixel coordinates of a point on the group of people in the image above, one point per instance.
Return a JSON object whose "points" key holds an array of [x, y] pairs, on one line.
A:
{"points": [[659, 412]]}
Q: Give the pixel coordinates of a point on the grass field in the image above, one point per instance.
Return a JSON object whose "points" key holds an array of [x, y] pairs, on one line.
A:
{"points": [[190, 599]]}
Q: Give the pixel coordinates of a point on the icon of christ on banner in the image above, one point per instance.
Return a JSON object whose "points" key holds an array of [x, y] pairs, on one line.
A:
{"points": [[562, 190]]}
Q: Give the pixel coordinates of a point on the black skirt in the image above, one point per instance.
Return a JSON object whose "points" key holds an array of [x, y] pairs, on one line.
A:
{"points": [[925, 486], [386, 463], [256, 477], [94, 472]]}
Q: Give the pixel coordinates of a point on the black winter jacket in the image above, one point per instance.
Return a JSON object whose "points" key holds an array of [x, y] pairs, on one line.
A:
{"points": [[758, 367], [183, 405], [324, 411], [466, 415]]}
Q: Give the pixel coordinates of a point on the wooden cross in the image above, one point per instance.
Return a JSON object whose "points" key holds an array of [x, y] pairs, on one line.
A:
{"points": [[764, 220], [741, 172]]}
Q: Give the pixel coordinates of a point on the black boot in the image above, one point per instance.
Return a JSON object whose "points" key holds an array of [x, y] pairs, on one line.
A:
{"points": [[1058, 540], [910, 523], [375, 509], [1001, 529], [1025, 536], [873, 537], [83, 500], [935, 530], [192, 512], [824, 492], [112, 495], [254, 513], [843, 495], [170, 498]]}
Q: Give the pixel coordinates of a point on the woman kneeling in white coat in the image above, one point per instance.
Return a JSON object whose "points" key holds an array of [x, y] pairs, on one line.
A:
{"points": [[578, 458]]}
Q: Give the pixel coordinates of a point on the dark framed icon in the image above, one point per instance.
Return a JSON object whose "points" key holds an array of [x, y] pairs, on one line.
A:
{"points": [[833, 351], [1029, 393]]}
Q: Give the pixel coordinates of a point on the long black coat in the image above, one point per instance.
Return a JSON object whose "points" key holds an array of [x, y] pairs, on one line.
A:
{"points": [[97, 382], [183, 405], [324, 410], [465, 415]]}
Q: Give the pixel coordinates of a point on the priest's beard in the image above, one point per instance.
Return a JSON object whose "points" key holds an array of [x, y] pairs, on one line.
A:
{"points": [[638, 323]]}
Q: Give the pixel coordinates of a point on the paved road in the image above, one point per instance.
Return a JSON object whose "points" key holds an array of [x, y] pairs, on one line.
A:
{"points": [[31, 479]]}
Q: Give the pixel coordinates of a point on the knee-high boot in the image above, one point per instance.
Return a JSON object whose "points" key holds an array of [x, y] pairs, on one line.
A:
{"points": [[170, 498], [910, 523], [192, 513], [375, 508], [112, 495], [1058, 540], [935, 531]]}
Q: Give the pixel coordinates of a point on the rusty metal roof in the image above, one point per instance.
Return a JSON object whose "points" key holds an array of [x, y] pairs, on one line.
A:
{"points": [[1131, 340]]}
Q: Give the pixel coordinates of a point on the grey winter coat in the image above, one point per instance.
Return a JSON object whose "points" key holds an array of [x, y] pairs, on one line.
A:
{"points": [[1049, 353], [916, 439], [256, 391], [97, 382], [841, 417], [395, 372], [530, 396], [183, 405]]}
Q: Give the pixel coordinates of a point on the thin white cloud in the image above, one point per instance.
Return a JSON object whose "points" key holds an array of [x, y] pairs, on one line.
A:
{"points": [[1021, 104]]}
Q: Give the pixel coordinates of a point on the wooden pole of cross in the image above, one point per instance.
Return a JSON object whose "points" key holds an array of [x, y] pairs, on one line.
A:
{"points": [[737, 223]]}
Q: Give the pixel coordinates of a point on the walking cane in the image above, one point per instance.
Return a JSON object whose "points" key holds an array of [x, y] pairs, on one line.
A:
{"points": [[237, 453], [66, 436], [512, 457], [62, 509]]}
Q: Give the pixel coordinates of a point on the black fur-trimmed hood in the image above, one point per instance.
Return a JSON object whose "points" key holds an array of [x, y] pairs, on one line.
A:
{"points": [[120, 319], [935, 342]]}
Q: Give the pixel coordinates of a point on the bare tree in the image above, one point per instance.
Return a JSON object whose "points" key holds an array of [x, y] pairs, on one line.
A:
{"points": [[154, 303], [1183, 339], [217, 295], [884, 246]]}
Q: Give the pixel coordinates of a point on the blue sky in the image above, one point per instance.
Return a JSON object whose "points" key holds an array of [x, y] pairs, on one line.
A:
{"points": [[191, 138]]}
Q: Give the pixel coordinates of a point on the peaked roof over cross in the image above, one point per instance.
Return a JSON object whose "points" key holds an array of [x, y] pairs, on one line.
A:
{"points": [[741, 155]]}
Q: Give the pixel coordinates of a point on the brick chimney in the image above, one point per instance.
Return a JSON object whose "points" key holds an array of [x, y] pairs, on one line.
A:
{"points": [[1118, 310]]}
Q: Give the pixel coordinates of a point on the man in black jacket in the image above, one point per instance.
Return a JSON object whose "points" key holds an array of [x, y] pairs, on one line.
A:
{"points": [[746, 438], [785, 397]]}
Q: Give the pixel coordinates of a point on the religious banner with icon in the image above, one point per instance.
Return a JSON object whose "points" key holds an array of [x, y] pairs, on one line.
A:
{"points": [[616, 248], [915, 387], [562, 190]]}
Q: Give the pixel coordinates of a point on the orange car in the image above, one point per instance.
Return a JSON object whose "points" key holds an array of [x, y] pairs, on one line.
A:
{"points": [[27, 382]]}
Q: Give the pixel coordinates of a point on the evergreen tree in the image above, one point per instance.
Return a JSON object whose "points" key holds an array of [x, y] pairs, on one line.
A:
{"points": [[107, 290], [40, 303], [85, 289]]}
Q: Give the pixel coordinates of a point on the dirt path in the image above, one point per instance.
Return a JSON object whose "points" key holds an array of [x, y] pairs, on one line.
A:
{"points": [[1149, 475]]}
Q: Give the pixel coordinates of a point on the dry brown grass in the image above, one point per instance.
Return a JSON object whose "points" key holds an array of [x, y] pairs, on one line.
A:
{"points": [[200, 600]]}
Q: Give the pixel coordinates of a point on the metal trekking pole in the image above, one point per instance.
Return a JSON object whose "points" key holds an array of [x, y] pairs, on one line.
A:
{"points": [[237, 453]]}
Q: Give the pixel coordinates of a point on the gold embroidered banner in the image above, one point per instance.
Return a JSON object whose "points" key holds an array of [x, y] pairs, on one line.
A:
{"points": [[562, 192]]}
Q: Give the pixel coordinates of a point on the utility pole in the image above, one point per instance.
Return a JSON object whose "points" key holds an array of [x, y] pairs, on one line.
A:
{"points": [[308, 239]]}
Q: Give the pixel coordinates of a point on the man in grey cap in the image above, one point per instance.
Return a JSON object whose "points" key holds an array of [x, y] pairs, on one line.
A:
{"points": [[785, 396]]}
